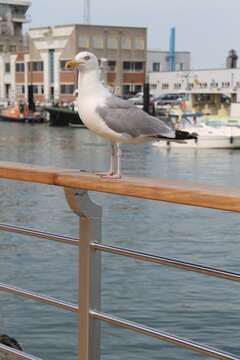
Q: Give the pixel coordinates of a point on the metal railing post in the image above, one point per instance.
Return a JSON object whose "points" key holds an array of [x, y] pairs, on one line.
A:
{"points": [[89, 293]]}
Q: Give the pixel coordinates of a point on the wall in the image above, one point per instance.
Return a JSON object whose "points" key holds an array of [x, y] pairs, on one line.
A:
{"points": [[224, 81], [158, 56]]}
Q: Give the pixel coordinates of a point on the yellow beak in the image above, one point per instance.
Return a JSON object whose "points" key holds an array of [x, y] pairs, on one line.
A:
{"points": [[71, 64]]}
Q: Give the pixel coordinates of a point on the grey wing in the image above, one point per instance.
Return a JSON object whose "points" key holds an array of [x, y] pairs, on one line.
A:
{"points": [[124, 117], [115, 102]]}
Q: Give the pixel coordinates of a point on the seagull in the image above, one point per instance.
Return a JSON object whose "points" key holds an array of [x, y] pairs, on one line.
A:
{"points": [[113, 118]]}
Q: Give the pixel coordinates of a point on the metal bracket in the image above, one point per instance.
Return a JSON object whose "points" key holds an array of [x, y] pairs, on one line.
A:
{"points": [[81, 203]]}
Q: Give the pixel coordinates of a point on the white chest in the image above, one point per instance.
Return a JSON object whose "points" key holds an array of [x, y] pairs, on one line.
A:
{"points": [[86, 109], [88, 114]]}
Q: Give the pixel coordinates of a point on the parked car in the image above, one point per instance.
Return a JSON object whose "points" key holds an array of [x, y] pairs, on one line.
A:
{"points": [[169, 99]]}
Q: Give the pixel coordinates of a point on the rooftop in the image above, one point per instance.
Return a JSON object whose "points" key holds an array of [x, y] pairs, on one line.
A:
{"points": [[89, 25], [16, 2], [167, 51]]}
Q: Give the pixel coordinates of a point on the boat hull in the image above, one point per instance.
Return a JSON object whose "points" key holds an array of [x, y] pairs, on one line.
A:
{"points": [[63, 117], [12, 119], [204, 142]]}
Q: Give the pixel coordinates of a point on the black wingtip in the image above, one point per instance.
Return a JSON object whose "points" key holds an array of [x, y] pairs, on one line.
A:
{"points": [[185, 135]]}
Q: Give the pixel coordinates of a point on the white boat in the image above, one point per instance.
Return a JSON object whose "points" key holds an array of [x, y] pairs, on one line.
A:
{"points": [[213, 134]]}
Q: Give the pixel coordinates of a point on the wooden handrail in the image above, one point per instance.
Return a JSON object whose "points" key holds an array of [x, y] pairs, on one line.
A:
{"points": [[180, 192]]}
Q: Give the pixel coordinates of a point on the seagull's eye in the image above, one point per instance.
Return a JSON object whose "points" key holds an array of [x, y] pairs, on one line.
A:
{"points": [[86, 57]]}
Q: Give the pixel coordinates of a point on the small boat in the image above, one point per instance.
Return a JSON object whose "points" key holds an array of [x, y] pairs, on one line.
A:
{"points": [[212, 134], [13, 113], [20, 114]]}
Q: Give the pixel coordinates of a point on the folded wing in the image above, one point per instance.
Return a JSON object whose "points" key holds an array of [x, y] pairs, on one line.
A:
{"points": [[124, 117]]}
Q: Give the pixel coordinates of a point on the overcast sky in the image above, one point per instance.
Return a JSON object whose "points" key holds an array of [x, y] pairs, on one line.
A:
{"points": [[207, 28]]}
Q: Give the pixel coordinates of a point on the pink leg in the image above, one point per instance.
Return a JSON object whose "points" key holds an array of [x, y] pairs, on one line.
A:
{"points": [[115, 169]]}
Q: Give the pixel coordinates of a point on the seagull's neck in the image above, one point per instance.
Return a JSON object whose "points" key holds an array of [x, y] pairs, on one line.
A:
{"points": [[89, 80]]}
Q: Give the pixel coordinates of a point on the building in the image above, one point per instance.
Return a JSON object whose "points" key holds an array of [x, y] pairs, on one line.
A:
{"points": [[157, 60], [222, 81], [212, 87], [50, 47], [12, 17]]}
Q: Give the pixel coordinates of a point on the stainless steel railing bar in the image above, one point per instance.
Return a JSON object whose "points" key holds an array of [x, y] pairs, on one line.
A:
{"points": [[160, 335], [18, 355], [168, 262], [39, 298], [40, 234]]}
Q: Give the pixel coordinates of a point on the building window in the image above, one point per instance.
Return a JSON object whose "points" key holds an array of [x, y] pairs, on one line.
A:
{"points": [[177, 86], [1, 48], [42, 89], [12, 49], [7, 67], [126, 89], [156, 67], [180, 67], [133, 66], [112, 43], [126, 43], [20, 67], [137, 88], [139, 44], [20, 89], [4, 28], [225, 84], [35, 89], [35, 66], [112, 65], [127, 65], [165, 86], [83, 41], [138, 66], [67, 89], [97, 42], [153, 86]]}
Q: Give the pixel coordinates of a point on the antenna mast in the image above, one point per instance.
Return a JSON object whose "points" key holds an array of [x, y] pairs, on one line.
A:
{"points": [[87, 11]]}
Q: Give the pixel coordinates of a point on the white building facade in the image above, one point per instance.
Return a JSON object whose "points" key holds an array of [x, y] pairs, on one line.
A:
{"points": [[219, 81], [157, 61], [215, 91]]}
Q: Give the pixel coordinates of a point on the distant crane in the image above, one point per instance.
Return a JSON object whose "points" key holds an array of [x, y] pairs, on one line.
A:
{"points": [[87, 12]]}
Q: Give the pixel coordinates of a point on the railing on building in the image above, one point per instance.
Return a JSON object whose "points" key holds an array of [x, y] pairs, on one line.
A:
{"points": [[76, 185]]}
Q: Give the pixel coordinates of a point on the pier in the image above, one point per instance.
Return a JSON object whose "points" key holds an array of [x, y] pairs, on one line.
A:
{"points": [[76, 185]]}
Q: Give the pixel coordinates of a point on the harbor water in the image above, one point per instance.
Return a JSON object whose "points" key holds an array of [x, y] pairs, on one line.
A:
{"points": [[189, 305]]}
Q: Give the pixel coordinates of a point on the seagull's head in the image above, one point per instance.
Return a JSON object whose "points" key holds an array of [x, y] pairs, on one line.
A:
{"points": [[84, 61]]}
